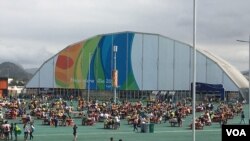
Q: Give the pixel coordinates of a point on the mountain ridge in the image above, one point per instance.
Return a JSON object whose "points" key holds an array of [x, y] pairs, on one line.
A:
{"points": [[12, 70]]}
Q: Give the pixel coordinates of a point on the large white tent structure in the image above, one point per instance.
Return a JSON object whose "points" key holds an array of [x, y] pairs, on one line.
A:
{"points": [[145, 62]]}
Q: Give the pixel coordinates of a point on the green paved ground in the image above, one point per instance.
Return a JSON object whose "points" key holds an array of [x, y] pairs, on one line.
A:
{"points": [[162, 132]]}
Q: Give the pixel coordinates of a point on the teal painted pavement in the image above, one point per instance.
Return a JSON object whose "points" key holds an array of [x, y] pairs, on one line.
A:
{"points": [[162, 132]]}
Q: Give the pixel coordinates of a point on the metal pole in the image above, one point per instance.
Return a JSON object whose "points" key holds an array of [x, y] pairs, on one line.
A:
{"points": [[194, 68], [114, 50], [89, 76]]}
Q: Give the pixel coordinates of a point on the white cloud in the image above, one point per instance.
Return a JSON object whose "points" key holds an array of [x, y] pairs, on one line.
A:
{"points": [[45, 27], [24, 52]]}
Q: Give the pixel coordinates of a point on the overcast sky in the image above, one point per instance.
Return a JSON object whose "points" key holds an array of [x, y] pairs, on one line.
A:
{"points": [[32, 31]]}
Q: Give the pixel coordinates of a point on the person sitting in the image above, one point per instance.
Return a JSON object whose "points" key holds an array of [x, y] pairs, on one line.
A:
{"points": [[101, 117], [198, 124], [69, 121], [90, 121], [109, 123], [51, 120], [106, 123], [173, 121]]}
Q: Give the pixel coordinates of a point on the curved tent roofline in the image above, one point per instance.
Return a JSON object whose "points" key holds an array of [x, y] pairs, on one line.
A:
{"points": [[234, 74]]}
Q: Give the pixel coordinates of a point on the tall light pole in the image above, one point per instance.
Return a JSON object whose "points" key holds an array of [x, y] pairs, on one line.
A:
{"points": [[89, 75], [248, 79], [194, 67], [115, 73]]}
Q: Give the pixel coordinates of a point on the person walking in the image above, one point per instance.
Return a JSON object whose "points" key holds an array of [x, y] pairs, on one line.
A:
{"points": [[26, 129], [242, 117], [32, 129], [135, 124], [6, 130], [16, 130], [74, 132], [56, 121], [11, 130]]}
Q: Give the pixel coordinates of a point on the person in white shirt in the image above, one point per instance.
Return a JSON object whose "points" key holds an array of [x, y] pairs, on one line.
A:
{"points": [[106, 115], [117, 122], [26, 128], [6, 130]]}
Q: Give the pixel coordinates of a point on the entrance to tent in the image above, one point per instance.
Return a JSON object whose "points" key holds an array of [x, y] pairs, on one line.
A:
{"points": [[205, 91]]}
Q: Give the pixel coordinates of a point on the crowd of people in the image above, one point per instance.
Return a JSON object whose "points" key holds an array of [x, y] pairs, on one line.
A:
{"points": [[11, 131], [61, 112]]}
